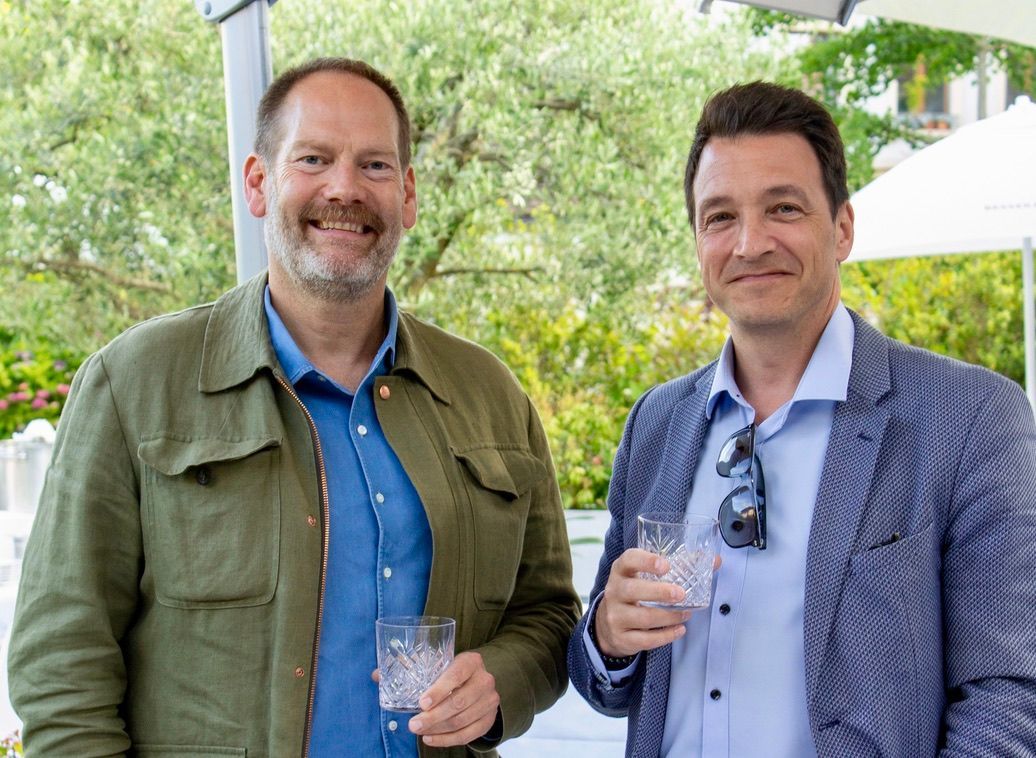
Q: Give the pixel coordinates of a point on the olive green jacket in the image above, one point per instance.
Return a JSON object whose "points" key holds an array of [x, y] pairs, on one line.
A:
{"points": [[172, 585]]}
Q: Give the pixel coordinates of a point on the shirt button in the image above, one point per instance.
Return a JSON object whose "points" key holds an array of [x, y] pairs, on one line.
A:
{"points": [[203, 475], [715, 694], [380, 498], [361, 430], [393, 726], [321, 378], [724, 609], [311, 520], [387, 572], [385, 392], [299, 672]]}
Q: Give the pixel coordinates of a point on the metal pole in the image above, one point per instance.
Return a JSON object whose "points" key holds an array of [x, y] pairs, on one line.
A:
{"points": [[1029, 309], [247, 72]]}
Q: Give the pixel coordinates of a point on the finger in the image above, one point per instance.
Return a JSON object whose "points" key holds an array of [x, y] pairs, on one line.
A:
{"points": [[470, 705], [633, 591], [376, 675], [453, 678], [617, 626], [649, 639], [475, 726], [635, 561]]}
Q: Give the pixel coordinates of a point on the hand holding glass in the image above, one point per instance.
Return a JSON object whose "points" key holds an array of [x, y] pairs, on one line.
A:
{"points": [[690, 547], [412, 653]]}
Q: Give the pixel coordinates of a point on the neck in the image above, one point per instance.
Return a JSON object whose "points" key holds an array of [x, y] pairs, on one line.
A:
{"points": [[339, 339], [768, 364]]}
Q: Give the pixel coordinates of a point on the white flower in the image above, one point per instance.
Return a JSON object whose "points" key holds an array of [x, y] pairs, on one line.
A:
{"points": [[18, 201]]}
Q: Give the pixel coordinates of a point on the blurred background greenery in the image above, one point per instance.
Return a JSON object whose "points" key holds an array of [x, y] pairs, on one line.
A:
{"points": [[550, 142]]}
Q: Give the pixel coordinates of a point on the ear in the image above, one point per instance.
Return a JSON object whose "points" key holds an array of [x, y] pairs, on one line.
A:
{"points": [[255, 192], [844, 230], [409, 199]]}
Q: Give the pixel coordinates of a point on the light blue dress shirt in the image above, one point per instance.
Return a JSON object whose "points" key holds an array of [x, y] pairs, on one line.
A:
{"points": [[379, 553]]}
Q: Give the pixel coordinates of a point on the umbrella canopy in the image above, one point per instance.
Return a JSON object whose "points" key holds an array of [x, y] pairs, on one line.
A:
{"points": [[1005, 19], [974, 191], [971, 192], [1013, 20]]}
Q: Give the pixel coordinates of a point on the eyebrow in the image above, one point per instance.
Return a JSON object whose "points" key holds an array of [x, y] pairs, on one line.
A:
{"points": [[785, 190]]}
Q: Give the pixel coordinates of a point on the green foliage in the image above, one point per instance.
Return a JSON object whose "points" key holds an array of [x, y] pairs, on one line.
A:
{"points": [[113, 175], [965, 306], [585, 367], [33, 385]]}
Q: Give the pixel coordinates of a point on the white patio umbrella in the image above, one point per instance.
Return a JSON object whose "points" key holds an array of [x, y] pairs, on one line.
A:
{"points": [[971, 192]]}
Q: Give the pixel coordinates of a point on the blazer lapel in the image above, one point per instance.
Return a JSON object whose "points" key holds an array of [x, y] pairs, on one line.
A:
{"points": [[856, 435], [682, 444]]}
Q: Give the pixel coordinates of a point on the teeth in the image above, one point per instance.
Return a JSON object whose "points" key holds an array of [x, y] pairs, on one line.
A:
{"points": [[340, 226]]}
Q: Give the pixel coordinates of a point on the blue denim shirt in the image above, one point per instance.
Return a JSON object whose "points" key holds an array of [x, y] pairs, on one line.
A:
{"points": [[379, 552]]}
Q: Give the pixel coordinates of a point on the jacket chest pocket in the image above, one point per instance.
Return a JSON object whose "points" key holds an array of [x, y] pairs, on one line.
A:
{"points": [[211, 511], [500, 479]]}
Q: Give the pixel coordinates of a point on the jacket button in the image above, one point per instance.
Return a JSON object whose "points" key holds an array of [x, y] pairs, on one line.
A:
{"points": [[311, 520], [724, 609], [715, 694], [203, 475], [385, 392], [299, 672]]}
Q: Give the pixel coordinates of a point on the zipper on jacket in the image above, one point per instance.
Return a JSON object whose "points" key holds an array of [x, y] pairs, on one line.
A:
{"points": [[322, 474]]}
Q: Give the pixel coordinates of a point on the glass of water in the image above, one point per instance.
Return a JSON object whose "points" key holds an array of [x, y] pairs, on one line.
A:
{"points": [[690, 545], [412, 652]]}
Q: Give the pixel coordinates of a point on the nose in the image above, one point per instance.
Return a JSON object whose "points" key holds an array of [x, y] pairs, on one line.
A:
{"points": [[343, 184], [753, 238]]}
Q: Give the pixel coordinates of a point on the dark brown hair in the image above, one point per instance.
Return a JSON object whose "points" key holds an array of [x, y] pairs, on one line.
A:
{"points": [[759, 108], [267, 129]]}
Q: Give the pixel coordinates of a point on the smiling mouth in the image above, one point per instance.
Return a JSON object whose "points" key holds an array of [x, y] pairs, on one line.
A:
{"points": [[341, 226]]}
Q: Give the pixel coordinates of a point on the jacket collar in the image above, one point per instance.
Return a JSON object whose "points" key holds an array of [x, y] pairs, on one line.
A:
{"points": [[415, 356], [238, 346], [237, 339]]}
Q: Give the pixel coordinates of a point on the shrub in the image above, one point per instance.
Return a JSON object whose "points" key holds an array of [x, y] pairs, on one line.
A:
{"points": [[33, 384]]}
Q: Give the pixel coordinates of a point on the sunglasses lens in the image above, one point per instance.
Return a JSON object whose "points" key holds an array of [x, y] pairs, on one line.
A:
{"points": [[735, 458], [738, 518]]}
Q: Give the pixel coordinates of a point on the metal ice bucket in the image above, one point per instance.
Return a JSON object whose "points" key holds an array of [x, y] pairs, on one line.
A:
{"points": [[23, 467]]}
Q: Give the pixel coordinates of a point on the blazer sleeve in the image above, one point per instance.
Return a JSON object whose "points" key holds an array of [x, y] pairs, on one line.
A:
{"points": [[596, 688], [989, 584]]}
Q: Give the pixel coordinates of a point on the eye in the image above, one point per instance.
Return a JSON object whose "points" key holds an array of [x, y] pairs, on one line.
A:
{"points": [[786, 209], [378, 166], [716, 218], [311, 160]]}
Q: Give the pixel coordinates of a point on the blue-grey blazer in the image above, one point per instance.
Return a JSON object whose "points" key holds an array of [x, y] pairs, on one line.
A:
{"points": [[915, 647]]}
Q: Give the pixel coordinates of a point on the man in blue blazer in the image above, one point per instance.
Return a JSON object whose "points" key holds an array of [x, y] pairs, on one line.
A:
{"points": [[877, 588]]}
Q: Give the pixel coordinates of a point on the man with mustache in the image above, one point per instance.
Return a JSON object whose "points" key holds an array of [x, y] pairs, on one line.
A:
{"points": [[876, 593], [239, 490]]}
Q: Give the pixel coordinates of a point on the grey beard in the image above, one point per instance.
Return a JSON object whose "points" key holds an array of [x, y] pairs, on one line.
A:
{"points": [[318, 276]]}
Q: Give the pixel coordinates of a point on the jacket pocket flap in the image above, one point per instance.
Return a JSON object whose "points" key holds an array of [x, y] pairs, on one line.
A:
{"points": [[174, 456], [509, 471]]}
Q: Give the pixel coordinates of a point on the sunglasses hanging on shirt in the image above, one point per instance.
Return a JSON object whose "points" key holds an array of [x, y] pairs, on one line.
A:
{"points": [[742, 514]]}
